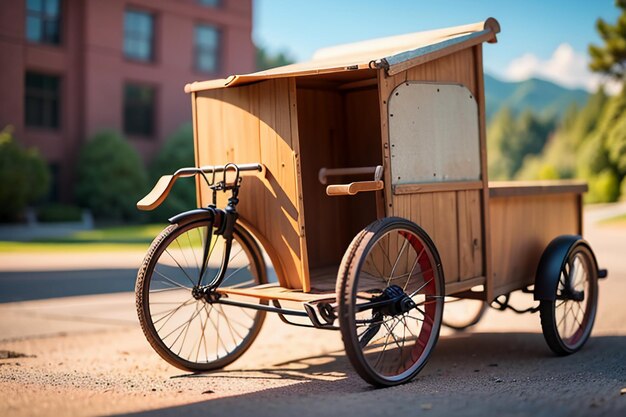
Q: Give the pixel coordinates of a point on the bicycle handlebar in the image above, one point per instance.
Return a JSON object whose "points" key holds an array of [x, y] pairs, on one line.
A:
{"points": [[164, 185]]}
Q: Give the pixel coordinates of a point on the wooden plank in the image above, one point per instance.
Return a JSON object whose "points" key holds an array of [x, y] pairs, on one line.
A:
{"points": [[487, 36], [521, 188], [293, 105], [401, 189], [253, 124], [446, 237], [426, 210], [477, 55], [458, 67], [521, 228], [470, 234], [276, 292], [386, 84], [460, 286]]}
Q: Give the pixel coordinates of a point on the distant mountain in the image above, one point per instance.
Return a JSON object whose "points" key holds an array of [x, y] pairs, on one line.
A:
{"points": [[542, 97]]}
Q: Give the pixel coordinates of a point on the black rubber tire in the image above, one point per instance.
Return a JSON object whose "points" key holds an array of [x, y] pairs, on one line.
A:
{"points": [[348, 283], [258, 272], [551, 323]]}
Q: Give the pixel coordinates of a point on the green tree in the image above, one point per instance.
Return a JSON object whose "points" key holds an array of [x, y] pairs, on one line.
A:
{"points": [[610, 58], [586, 119], [24, 176], [499, 131], [177, 152], [603, 188], [512, 140], [111, 177], [266, 60]]}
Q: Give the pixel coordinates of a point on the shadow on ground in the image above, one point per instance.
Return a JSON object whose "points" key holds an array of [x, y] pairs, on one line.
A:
{"points": [[508, 374], [36, 285]]}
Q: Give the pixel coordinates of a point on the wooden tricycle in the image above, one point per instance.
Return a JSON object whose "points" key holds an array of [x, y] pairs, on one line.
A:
{"points": [[383, 143]]}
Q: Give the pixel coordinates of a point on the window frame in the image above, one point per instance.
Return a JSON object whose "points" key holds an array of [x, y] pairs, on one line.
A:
{"points": [[50, 119], [136, 36], [152, 132], [218, 4], [199, 49], [43, 17]]}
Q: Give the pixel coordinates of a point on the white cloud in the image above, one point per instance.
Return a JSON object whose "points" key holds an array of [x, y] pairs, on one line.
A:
{"points": [[566, 67]]}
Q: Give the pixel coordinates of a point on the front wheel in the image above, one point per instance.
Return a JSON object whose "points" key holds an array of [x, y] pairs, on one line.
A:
{"points": [[393, 266], [183, 327], [567, 321]]}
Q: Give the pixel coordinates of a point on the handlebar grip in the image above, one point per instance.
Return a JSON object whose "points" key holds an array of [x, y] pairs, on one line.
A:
{"points": [[158, 194], [354, 188]]}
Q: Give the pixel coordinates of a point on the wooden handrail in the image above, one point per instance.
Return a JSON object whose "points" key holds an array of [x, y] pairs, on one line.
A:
{"points": [[324, 173]]}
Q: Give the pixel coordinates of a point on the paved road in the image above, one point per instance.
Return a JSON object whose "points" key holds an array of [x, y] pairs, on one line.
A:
{"points": [[86, 356], [36, 285]]}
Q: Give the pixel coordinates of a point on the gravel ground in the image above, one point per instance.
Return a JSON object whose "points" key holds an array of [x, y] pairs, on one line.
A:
{"points": [[86, 356]]}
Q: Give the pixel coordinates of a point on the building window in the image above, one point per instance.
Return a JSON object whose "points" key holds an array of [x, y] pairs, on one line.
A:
{"points": [[139, 35], [139, 106], [210, 3], [207, 48], [43, 21], [42, 102]]}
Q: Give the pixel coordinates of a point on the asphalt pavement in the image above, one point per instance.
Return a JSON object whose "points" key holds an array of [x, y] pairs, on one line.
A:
{"points": [[83, 354]]}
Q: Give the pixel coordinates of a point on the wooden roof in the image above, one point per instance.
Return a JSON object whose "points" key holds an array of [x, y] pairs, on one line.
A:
{"points": [[394, 54]]}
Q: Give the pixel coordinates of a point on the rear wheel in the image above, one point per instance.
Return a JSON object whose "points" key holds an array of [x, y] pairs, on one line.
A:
{"points": [[183, 327], [567, 321], [393, 263]]}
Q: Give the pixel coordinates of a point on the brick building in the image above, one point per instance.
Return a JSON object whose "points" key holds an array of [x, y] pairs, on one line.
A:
{"points": [[70, 68]]}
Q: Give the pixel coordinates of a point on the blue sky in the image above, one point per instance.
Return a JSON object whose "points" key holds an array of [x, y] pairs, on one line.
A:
{"points": [[546, 38]]}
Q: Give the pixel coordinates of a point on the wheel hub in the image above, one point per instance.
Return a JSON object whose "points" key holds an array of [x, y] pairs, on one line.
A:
{"points": [[399, 301], [197, 293]]}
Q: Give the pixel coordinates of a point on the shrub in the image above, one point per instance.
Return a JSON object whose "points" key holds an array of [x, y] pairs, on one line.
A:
{"points": [[55, 212], [24, 177], [603, 188], [111, 177], [177, 152]]}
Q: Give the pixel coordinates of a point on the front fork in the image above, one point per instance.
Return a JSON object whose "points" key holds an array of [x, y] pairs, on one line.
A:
{"points": [[224, 225]]}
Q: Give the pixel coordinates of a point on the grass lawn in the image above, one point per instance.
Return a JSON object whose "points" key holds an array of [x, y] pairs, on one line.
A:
{"points": [[120, 238]]}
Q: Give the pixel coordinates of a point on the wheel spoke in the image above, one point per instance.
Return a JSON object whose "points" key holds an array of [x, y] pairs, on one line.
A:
{"points": [[395, 264], [180, 249], [417, 258], [195, 258], [181, 268], [176, 284], [414, 293], [174, 310]]}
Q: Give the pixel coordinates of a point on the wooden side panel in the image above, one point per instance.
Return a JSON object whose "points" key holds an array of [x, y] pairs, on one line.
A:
{"points": [[470, 234], [431, 211], [521, 228], [459, 68], [452, 218], [253, 124]]}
